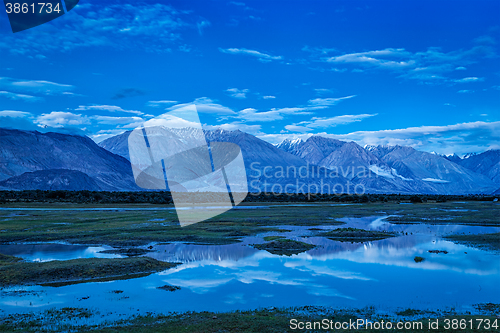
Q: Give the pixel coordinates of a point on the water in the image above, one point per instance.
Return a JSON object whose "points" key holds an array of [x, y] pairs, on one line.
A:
{"points": [[119, 209], [237, 276], [55, 251]]}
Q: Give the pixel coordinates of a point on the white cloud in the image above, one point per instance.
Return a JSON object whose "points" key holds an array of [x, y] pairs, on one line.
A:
{"points": [[15, 114], [465, 91], [268, 97], [469, 79], [375, 58], [459, 138], [238, 93], [318, 50], [326, 122], [157, 104], [106, 134], [263, 57], [253, 129], [19, 97], [61, 119], [251, 114], [41, 87], [202, 25], [167, 120], [485, 40], [328, 101], [205, 105], [109, 108], [128, 25], [127, 122], [296, 128], [323, 91], [17, 119], [426, 66]]}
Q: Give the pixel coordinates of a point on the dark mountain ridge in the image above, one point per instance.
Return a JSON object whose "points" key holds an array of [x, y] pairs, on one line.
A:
{"points": [[30, 151]]}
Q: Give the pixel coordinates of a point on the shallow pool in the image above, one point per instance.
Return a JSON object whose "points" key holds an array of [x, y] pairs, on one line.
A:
{"points": [[237, 276]]}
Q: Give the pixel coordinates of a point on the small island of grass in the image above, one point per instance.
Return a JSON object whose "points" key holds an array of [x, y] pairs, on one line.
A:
{"points": [[285, 247], [356, 235], [14, 271]]}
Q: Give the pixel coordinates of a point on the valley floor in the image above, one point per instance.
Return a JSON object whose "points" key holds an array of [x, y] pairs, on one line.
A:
{"points": [[131, 242]]}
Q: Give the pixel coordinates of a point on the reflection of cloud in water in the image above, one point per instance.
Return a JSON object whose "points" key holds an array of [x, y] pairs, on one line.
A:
{"points": [[243, 273], [192, 253], [30, 303], [319, 290], [198, 286], [475, 262], [55, 251], [237, 276], [315, 270], [379, 223], [251, 276]]}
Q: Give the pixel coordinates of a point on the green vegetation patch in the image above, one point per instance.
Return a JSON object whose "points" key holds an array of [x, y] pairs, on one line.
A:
{"points": [[484, 241], [168, 287], [263, 320], [114, 225], [130, 252], [488, 308], [272, 238], [285, 247], [78, 270], [438, 251], [414, 312], [8, 260], [356, 235]]}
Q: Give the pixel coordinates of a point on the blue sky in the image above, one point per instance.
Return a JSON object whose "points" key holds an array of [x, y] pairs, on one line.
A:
{"points": [[419, 73]]}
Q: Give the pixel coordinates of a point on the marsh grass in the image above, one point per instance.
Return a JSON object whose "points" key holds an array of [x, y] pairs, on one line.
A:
{"points": [[123, 228], [356, 235], [262, 320], [59, 273], [485, 241], [285, 247]]}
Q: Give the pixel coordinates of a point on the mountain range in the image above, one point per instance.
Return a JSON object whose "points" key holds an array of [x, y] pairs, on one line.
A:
{"points": [[27, 153], [398, 169], [34, 160]]}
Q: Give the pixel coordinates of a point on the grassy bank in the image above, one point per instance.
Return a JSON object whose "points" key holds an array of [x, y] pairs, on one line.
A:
{"points": [[285, 247], [57, 273], [152, 223], [355, 235], [272, 320], [486, 241]]}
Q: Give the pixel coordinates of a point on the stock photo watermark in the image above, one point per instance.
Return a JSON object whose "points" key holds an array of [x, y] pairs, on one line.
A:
{"points": [[170, 152], [27, 14]]}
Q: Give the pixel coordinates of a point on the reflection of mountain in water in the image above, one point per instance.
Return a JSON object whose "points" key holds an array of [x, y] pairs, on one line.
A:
{"points": [[191, 253], [327, 246]]}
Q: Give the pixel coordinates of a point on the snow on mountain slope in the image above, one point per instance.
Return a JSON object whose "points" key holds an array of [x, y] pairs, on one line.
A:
{"points": [[487, 163], [440, 174], [266, 166]]}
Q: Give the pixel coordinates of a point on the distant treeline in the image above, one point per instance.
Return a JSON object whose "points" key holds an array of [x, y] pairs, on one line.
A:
{"points": [[164, 197]]}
